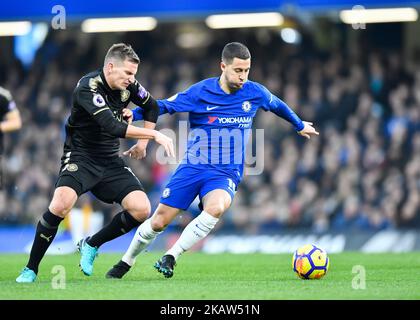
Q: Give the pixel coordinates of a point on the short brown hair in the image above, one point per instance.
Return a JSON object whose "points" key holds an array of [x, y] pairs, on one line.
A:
{"points": [[235, 50], [122, 52]]}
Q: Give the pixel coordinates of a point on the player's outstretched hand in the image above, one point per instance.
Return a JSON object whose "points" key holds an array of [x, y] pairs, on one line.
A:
{"points": [[138, 151], [166, 142], [127, 115], [308, 130]]}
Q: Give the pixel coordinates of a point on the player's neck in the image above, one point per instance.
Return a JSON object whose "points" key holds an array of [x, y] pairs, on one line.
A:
{"points": [[107, 80], [223, 85]]}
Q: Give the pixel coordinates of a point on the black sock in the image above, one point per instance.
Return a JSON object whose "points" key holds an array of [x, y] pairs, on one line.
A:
{"points": [[45, 233], [122, 223]]}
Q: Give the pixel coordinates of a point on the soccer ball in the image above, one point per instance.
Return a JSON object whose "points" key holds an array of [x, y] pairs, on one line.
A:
{"points": [[310, 262]]}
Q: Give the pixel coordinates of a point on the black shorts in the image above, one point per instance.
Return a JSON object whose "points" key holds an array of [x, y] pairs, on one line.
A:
{"points": [[110, 182]]}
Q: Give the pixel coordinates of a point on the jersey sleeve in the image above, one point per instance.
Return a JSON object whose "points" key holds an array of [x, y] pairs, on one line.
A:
{"points": [[272, 103], [94, 104], [180, 102], [141, 97], [4, 106], [139, 113], [138, 94], [7, 103]]}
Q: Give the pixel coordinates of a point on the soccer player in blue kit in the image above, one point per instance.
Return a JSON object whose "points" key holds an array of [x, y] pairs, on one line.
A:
{"points": [[217, 105]]}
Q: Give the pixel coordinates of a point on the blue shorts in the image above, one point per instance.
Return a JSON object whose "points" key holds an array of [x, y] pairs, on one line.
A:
{"points": [[188, 181]]}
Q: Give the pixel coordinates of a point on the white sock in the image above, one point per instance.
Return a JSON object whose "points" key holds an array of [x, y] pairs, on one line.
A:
{"points": [[196, 230], [144, 235]]}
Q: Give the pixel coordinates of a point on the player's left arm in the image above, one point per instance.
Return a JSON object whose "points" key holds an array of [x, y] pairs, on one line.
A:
{"points": [[12, 119], [184, 101], [141, 97], [150, 112], [137, 113], [277, 106]]}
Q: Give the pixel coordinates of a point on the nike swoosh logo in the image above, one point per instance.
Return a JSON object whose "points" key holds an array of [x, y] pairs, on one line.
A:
{"points": [[211, 108]]}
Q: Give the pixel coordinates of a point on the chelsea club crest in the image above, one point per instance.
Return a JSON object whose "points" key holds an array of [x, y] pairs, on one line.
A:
{"points": [[166, 193], [246, 106]]}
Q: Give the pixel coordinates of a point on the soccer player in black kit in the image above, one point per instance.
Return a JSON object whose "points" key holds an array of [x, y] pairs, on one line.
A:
{"points": [[90, 159], [10, 120]]}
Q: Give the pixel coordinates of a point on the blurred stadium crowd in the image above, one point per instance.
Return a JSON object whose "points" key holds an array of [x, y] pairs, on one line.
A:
{"points": [[361, 173]]}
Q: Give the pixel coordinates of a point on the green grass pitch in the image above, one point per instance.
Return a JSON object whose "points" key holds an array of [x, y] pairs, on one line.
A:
{"points": [[220, 276]]}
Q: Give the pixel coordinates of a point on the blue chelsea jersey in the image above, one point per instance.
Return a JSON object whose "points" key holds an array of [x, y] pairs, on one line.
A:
{"points": [[220, 122]]}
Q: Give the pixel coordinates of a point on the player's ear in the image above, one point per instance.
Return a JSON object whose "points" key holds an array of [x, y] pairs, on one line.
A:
{"points": [[222, 66], [110, 67]]}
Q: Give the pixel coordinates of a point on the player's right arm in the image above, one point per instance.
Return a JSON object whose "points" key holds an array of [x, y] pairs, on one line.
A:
{"points": [[94, 103], [180, 102], [12, 119]]}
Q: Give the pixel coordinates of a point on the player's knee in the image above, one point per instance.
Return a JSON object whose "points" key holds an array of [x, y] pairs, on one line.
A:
{"points": [[61, 208], [215, 209], [140, 212], [63, 201], [159, 223]]}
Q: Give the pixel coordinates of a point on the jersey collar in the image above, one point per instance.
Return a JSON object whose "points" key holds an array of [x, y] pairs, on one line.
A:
{"points": [[106, 85]]}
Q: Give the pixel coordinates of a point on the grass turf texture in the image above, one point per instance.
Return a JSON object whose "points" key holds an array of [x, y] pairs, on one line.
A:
{"points": [[221, 276]]}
